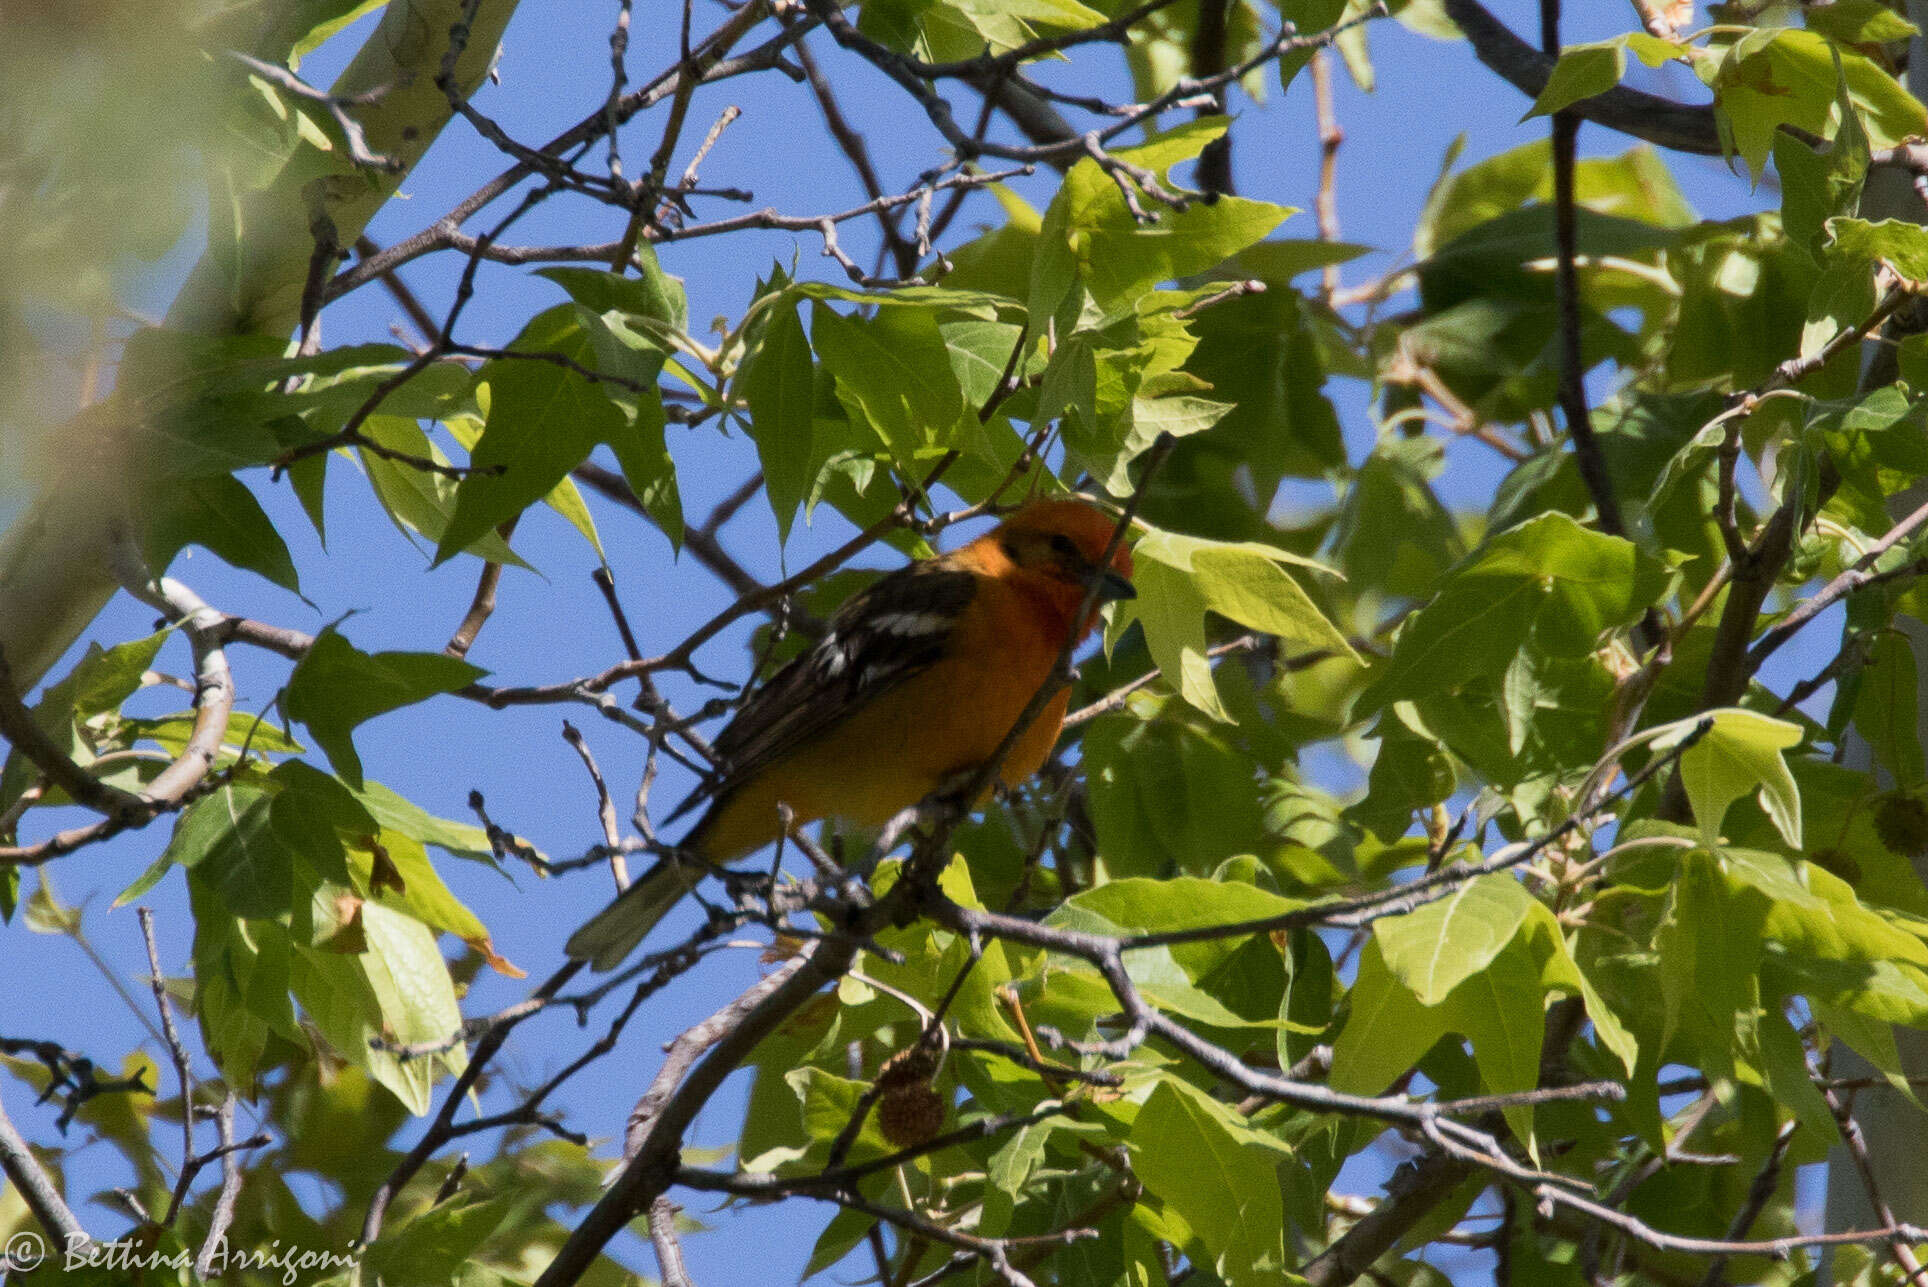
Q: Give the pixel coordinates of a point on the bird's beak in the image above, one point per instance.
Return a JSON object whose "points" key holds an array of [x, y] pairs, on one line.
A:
{"points": [[1111, 585]]}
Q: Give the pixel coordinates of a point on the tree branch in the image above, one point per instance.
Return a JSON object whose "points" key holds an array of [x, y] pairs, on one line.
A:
{"points": [[680, 1090], [37, 1189]]}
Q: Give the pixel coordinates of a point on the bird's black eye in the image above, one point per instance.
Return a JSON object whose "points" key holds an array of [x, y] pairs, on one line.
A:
{"points": [[1061, 545]]}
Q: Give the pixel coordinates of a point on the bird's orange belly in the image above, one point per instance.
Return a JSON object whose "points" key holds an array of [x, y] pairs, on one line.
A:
{"points": [[888, 756]]}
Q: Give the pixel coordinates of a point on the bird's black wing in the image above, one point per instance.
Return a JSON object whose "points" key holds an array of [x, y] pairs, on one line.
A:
{"points": [[882, 636]]}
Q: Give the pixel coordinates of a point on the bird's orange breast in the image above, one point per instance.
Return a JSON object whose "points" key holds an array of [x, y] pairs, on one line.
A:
{"points": [[908, 742]]}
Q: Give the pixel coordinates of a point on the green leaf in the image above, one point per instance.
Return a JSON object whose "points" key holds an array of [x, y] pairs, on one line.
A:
{"points": [[845, 1231], [1901, 245], [982, 304], [1410, 771], [1308, 17], [241, 974], [336, 687], [422, 894], [1549, 581], [1138, 906], [228, 835], [244, 729], [1435, 949], [828, 1104], [1709, 948], [1180, 578], [1559, 969], [1586, 70], [1501, 1010], [1220, 1175], [397, 814], [566, 499], [99, 682], [1211, 981], [643, 452], [422, 500], [1819, 184], [435, 1245], [1386, 1032], [1886, 708], [1283, 258], [1090, 235], [1739, 754], [652, 297], [1835, 927], [542, 420], [1870, 1037], [1783, 76], [1266, 354], [893, 373], [1634, 185], [1858, 22], [1393, 533], [397, 990], [1169, 789], [980, 352], [221, 514], [1306, 1012], [1021, 1153], [317, 20], [777, 381], [339, 381], [1582, 72]]}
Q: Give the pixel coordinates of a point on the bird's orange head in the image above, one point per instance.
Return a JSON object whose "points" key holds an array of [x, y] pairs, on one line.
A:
{"points": [[1057, 547]]}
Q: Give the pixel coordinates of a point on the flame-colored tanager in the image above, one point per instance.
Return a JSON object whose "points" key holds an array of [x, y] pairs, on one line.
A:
{"points": [[918, 679]]}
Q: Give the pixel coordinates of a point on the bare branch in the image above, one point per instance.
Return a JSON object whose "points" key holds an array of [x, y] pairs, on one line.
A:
{"points": [[669, 1251], [682, 1087], [19, 726], [223, 1215], [1854, 578], [178, 1053], [605, 808], [36, 1188], [1572, 388], [1899, 1242]]}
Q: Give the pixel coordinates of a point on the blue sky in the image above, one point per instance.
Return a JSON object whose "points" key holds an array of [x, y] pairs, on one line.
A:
{"points": [[552, 626]]}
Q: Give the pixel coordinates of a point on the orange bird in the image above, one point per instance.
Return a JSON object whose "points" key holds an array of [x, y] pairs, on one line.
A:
{"points": [[918, 679]]}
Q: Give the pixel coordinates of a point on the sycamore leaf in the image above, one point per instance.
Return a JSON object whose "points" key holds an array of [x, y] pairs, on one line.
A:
{"points": [[1548, 581], [1901, 245], [776, 380], [1739, 753], [1219, 1174], [1433, 950], [1586, 70], [337, 686], [1089, 233], [1180, 578]]}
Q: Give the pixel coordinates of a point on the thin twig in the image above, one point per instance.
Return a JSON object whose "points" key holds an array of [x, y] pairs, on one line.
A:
{"points": [[1759, 1193], [669, 1251], [1587, 455], [605, 808], [482, 604], [36, 1189], [336, 106], [1850, 580], [182, 1071], [223, 1215], [1331, 138], [1900, 1244]]}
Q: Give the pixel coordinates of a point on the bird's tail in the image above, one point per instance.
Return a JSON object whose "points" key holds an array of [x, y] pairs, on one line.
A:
{"points": [[613, 933]]}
